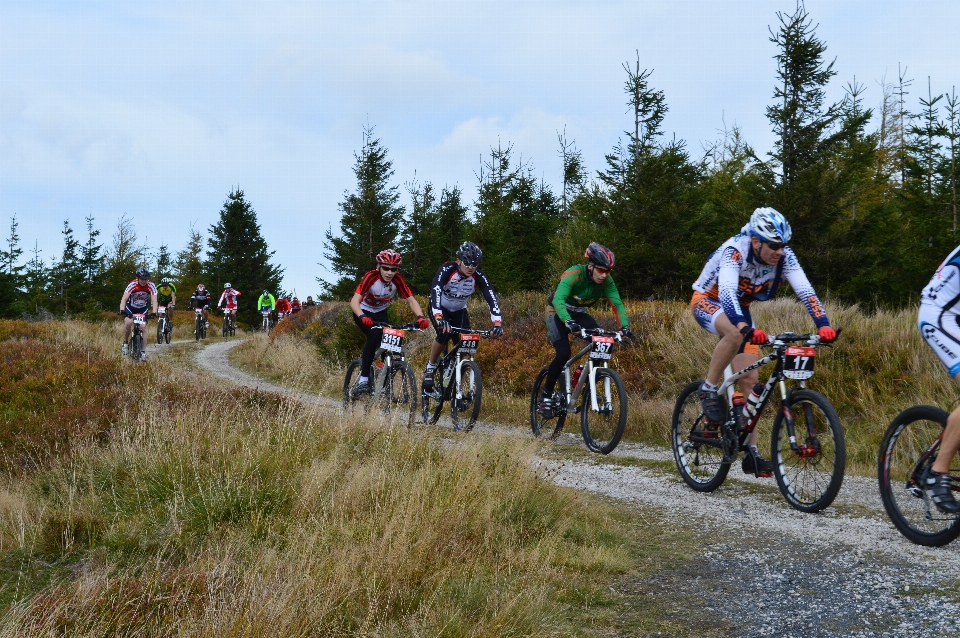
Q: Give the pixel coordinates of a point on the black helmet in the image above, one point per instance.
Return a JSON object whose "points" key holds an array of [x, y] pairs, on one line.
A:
{"points": [[599, 255], [143, 273], [165, 281], [469, 254]]}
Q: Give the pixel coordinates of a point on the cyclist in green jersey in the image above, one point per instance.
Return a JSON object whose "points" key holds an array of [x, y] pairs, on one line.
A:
{"points": [[265, 301], [580, 288], [167, 296]]}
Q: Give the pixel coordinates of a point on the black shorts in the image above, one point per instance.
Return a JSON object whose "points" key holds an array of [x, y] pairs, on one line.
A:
{"points": [[457, 319], [557, 329]]}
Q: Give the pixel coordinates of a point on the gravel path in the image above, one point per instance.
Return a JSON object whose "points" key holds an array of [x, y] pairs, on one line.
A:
{"points": [[765, 569]]}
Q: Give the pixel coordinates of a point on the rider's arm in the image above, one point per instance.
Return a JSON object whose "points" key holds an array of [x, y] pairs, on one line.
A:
{"points": [[728, 284], [153, 301], [567, 281], [355, 304], [486, 289], [616, 304], [123, 299], [436, 287], [403, 290], [223, 296], [797, 279], [273, 302]]}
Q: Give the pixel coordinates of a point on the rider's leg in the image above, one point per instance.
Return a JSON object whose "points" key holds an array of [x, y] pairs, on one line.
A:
{"points": [[726, 349], [558, 333], [950, 442], [127, 328], [747, 381], [374, 336]]}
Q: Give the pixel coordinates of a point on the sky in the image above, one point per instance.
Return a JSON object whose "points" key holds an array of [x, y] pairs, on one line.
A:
{"points": [[157, 109]]}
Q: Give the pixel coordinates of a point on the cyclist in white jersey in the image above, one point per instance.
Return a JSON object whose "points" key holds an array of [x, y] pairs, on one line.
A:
{"points": [[748, 267], [937, 320]]}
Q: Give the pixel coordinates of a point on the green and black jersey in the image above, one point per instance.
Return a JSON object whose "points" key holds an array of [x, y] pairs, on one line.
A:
{"points": [[576, 292], [165, 294]]}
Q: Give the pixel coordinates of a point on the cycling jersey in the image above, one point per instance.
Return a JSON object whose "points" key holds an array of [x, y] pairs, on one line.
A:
{"points": [[165, 294], [295, 306], [734, 277], [283, 305], [139, 297], [939, 310], [200, 299], [266, 301], [451, 289], [576, 292], [376, 294], [230, 295]]}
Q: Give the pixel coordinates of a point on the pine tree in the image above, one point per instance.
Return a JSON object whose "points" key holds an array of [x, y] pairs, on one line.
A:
{"points": [[188, 268], [68, 273], [238, 254], [92, 262], [11, 274], [370, 220], [36, 282], [122, 261], [163, 261], [416, 240]]}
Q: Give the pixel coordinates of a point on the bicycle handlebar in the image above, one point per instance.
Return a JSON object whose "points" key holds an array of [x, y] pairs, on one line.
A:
{"points": [[586, 333], [402, 326], [792, 337], [482, 333]]}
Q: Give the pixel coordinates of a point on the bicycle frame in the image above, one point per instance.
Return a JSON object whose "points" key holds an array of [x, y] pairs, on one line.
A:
{"points": [[588, 374], [387, 357], [455, 357]]}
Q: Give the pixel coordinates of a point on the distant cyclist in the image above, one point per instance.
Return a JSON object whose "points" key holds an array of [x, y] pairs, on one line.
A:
{"points": [[201, 299], [167, 297], [451, 288], [283, 308], [938, 323], [748, 267], [580, 288], [228, 300], [369, 304], [139, 298], [309, 303], [266, 300], [295, 306]]}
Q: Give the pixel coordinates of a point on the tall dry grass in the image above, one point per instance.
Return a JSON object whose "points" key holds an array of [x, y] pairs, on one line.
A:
{"points": [[204, 512]]}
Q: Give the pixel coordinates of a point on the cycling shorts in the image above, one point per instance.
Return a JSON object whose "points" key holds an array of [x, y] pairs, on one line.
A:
{"points": [[556, 328], [706, 310], [941, 331], [457, 319]]}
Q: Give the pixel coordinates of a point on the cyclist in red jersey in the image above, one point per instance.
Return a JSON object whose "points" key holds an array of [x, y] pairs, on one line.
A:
{"points": [[139, 297], [369, 304]]}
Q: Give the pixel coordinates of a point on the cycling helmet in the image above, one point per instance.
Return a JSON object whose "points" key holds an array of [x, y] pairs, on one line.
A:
{"points": [[143, 273], [295, 299], [469, 254], [600, 256], [165, 281], [266, 293], [389, 257], [309, 298], [227, 286], [201, 287], [766, 224]]}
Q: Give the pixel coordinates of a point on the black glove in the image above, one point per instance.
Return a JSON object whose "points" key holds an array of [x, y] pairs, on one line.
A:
{"points": [[496, 331], [626, 333], [442, 324], [573, 326]]}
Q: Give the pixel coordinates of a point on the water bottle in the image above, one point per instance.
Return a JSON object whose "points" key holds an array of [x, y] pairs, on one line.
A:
{"points": [[750, 407], [576, 375]]}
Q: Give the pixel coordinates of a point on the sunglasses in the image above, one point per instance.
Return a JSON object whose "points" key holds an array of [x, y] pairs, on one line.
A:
{"points": [[389, 269], [601, 271], [775, 245]]}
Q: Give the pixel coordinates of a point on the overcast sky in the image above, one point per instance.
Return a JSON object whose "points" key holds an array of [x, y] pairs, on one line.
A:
{"points": [[157, 109]]}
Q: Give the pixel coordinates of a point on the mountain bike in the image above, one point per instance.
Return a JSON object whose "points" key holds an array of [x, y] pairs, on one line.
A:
{"points": [[393, 381], [164, 325], [909, 447], [457, 380], [229, 322], [593, 390], [199, 325], [137, 348], [267, 324], [807, 448]]}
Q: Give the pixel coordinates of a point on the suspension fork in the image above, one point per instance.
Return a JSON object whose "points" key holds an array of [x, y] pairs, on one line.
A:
{"points": [[810, 446]]}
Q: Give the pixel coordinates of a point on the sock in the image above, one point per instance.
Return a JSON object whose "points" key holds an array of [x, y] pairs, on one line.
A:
{"points": [[431, 366], [363, 380], [709, 386]]}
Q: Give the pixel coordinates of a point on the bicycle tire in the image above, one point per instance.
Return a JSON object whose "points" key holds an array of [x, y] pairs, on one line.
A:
{"points": [[136, 346], [160, 326], [400, 389], [167, 332], [225, 328], [538, 424], [809, 483], [198, 322], [471, 387], [900, 464], [432, 404], [349, 381], [609, 422], [700, 464]]}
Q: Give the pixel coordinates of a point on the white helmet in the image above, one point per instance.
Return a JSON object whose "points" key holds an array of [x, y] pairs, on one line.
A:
{"points": [[227, 286], [766, 224]]}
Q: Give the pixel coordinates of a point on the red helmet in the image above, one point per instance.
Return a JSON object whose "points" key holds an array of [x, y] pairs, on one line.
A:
{"points": [[599, 256], [389, 257]]}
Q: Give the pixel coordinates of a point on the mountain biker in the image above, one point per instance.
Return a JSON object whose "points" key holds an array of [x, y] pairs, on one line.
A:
{"points": [[938, 323], [228, 301], [309, 303], [201, 299], [283, 307], [580, 288], [452, 286], [747, 267], [139, 297], [167, 297], [369, 304], [295, 305], [266, 300]]}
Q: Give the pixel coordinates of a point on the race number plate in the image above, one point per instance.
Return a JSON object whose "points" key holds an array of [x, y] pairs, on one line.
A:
{"points": [[602, 348], [140, 320], [162, 310], [392, 339], [798, 362], [265, 313], [469, 343]]}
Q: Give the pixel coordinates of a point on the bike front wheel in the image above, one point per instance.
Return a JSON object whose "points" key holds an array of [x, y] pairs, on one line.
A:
{"points": [[697, 444], [136, 346], [809, 479], [400, 390], [350, 382], [603, 427], [465, 410], [541, 425], [432, 402], [160, 327], [909, 447]]}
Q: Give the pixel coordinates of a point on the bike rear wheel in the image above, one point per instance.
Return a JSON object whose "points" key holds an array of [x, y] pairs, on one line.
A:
{"points": [[540, 425], [603, 428], [811, 480], [909, 447], [698, 458], [432, 402], [464, 411]]}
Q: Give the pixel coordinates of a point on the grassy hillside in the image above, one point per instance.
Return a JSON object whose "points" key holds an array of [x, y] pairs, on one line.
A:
{"points": [[878, 367]]}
